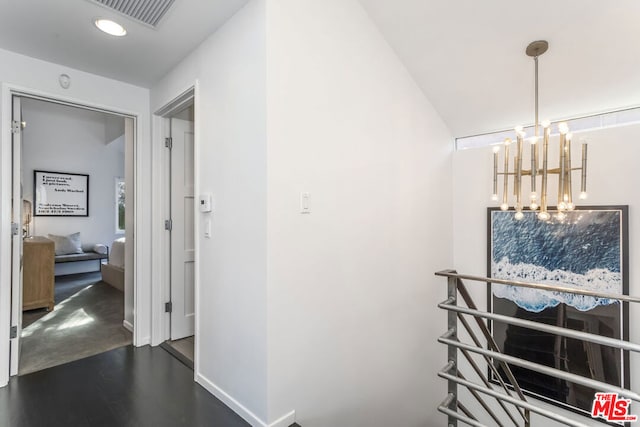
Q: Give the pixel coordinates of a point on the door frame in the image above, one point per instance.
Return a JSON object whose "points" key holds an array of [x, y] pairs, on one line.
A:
{"points": [[161, 293], [16, 241], [142, 264]]}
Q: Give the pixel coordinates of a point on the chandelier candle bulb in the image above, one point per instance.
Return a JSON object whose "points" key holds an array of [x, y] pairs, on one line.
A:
{"points": [[563, 128], [544, 216]]}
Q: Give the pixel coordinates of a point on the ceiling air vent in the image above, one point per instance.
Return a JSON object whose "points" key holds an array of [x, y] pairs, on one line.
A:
{"points": [[146, 11]]}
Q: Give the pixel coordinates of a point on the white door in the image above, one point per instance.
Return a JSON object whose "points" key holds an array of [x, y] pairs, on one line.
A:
{"points": [[182, 233], [16, 243]]}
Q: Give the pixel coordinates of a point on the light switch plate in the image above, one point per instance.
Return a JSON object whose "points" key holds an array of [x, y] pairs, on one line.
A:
{"points": [[305, 207]]}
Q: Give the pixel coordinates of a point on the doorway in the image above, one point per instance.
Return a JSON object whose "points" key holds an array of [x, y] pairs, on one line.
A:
{"points": [[179, 124], [69, 161]]}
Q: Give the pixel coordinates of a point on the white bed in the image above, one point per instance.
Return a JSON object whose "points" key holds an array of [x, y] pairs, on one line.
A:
{"points": [[113, 271]]}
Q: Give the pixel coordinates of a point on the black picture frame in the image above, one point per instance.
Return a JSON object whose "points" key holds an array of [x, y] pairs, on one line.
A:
{"points": [[591, 243], [60, 194]]}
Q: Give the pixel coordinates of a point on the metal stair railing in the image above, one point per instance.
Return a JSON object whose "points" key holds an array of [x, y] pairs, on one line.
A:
{"points": [[509, 397]]}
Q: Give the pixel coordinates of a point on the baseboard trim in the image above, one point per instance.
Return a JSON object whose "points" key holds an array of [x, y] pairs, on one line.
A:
{"points": [[284, 421], [136, 342], [143, 341], [238, 408]]}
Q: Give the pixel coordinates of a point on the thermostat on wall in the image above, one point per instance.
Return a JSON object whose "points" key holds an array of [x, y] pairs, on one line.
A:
{"points": [[206, 203]]}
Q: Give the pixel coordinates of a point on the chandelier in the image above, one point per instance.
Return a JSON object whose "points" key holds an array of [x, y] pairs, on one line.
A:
{"points": [[563, 170]]}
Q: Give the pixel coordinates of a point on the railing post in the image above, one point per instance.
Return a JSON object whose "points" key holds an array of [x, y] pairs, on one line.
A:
{"points": [[452, 324]]}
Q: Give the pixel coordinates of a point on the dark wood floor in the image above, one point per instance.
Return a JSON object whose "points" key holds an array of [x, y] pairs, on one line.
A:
{"points": [[120, 388]]}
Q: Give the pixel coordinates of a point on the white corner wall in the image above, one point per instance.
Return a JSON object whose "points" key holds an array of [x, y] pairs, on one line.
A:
{"points": [[19, 72], [230, 137], [612, 176], [352, 294], [65, 139]]}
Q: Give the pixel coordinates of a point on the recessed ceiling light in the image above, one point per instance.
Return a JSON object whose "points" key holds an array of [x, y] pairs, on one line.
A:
{"points": [[110, 27]]}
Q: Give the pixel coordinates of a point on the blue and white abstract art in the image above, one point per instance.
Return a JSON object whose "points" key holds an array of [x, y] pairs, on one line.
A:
{"points": [[582, 251]]}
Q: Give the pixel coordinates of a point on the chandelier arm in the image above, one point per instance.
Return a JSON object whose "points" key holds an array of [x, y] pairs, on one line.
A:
{"points": [[505, 190], [519, 174], [545, 158], [568, 194], [562, 176], [583, 178], [495, 175], [534, 166]]}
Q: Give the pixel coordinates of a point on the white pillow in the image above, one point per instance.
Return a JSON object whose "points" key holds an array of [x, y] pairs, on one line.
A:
{"points": [[65, 245], [100, 249]]}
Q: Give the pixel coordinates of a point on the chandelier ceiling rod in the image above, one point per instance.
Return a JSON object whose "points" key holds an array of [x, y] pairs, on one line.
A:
{"points": [[535, 49]]}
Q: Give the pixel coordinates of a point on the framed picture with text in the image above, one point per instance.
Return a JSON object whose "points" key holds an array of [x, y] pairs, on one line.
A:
{"points": [[60, 194]]}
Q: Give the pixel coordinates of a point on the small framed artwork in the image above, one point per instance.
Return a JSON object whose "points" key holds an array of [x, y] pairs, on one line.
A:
{"points": [[586, 249], [60, 194]]}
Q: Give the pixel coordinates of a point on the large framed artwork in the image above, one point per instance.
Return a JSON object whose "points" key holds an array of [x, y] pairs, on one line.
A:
{"points": [[60, 194], [587, 249]]}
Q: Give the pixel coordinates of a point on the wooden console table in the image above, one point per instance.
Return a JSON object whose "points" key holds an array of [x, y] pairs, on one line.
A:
{"points": [[37, 273]]}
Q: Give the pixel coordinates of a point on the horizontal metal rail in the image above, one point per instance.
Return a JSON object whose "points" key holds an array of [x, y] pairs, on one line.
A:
{"points": [[466, 296], [540, 286], [465, 410], [462, 290], [493, 369], [598, 385], [481, 401], [517, 402], [444, 408], [493, 355], [543, 327], [485, 380]]}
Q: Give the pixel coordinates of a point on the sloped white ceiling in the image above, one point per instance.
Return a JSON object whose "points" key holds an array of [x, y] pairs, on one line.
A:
{"points": [[468, 56], [62, 31]]}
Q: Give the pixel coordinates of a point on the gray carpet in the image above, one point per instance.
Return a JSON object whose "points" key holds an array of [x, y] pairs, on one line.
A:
{"points": [[86, 323], [65, 287]]}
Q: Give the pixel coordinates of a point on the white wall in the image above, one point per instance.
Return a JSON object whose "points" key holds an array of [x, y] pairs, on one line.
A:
{"points": [[352, 295], [65, 139], [36, 76], [612, 175], [230, 138]]}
